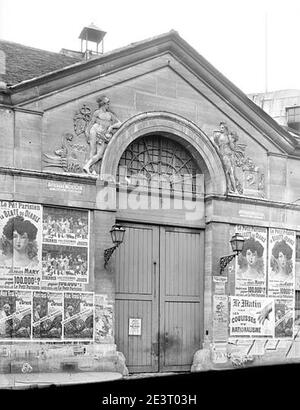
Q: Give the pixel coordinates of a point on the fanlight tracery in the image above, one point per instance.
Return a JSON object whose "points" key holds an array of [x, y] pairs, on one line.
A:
{"points": [[160, 162]]}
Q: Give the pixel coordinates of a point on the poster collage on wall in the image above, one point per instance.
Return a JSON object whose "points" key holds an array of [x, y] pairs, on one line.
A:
{"points": [[44, 265], [264, 301]]}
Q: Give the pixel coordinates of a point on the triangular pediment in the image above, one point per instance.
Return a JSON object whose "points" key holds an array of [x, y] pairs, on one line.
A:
{"points": [[141, 64]]}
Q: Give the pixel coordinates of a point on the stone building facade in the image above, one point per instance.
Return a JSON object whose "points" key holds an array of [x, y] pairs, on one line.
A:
{"points": [[282, 105], [154, 138]]}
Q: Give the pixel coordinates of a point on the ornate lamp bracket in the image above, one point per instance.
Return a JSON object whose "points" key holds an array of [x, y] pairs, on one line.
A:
{"points": [[117, 233], [225, 260], [108, 253], [237, 243]]}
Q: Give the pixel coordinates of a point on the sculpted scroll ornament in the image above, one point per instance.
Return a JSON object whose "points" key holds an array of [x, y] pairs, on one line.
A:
{"points": [[92, 134], [243, 176]]}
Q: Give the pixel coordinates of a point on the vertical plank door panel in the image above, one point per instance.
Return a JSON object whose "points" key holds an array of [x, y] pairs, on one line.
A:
{"points": [[181, 300], [136, 297]]}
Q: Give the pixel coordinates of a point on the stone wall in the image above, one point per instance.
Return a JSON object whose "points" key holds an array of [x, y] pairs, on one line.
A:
{"points": [[45, 113]]}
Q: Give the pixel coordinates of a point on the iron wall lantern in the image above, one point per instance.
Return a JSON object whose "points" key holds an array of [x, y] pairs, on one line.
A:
{"points": [[117, 233], [237, 243]]}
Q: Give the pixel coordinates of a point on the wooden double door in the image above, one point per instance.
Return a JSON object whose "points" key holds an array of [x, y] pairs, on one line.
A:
{"points": [[159, 297]]}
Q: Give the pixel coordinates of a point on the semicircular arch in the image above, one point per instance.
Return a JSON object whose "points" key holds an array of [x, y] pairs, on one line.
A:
{"points": [[175, 127]]}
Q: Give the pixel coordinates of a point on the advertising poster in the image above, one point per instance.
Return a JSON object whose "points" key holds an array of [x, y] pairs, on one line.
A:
{"points": [[43, 248], [47, 315], [284, 318], [6, 251], [220, 284], [251, 264], [65, 227], [61, 286], [220, 318], [20, 244], [65, 247], [104, 324], [281, 280], [219, 353], [15, 314], [78, 319], [297, 275], [251, 317], [65, 263]]}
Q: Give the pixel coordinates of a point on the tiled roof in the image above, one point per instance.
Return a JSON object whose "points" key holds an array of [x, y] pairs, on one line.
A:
{"points": [[24, 63]]}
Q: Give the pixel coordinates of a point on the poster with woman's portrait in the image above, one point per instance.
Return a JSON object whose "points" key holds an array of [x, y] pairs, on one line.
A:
{"points": [[20, 244], [6, 255], [15, 315], [47, 315], [281, 280], [78, 319], [251, 264]]}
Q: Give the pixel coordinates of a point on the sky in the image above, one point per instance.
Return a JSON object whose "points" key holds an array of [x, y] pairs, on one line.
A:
{"points": [[230, 34]]}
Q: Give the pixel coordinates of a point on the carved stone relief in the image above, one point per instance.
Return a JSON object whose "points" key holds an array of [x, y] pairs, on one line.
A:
{"points": [[81, 151], [243, 176]]}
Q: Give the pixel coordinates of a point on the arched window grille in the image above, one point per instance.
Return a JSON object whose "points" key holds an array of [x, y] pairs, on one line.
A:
{"points": [[158, 162]]}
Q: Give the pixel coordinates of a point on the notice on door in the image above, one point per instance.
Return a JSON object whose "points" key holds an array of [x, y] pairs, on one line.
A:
{"points": [[135, 327]]}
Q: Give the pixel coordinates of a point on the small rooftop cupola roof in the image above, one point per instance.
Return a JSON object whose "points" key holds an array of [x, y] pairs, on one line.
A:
{"points": [[93, 34]]}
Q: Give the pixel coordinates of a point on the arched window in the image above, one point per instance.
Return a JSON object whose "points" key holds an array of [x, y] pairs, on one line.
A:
{"points": [[160, 163]]}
